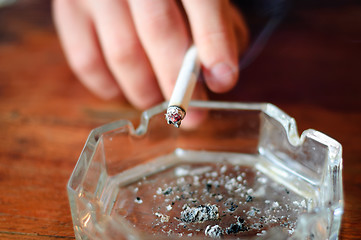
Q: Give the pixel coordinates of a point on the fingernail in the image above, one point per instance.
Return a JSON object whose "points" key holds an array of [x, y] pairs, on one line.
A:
{"points": [[223, 71], [223, 75]]}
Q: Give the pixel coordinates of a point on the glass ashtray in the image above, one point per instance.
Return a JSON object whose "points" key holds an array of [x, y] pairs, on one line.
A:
{"points": [[243, 173]]}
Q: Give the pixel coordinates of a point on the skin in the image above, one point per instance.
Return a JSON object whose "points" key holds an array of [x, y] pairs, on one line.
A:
{"points": [[133, 49]]}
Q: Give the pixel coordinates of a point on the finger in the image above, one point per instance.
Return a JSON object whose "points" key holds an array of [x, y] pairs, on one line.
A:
{"points": [[124, 52], [164, 36], [214, 36], [82, 48]]}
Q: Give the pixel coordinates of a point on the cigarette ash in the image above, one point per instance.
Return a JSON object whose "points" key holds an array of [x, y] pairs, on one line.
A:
{"points": [[217, 201], [237, 227], [163, 218], [200, 213], [214, 231]]}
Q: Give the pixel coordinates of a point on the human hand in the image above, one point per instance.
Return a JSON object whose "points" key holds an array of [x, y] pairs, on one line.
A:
{"points": [[135, 48]]}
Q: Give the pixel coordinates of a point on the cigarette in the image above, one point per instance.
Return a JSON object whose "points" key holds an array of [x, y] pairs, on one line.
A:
{"points": [[183, 88]]}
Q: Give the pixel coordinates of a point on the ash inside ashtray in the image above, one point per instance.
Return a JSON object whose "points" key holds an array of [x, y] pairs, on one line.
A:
{"points": [[199, 214], [216, 200]]}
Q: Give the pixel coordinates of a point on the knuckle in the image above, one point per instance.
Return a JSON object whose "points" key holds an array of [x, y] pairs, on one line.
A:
{"points": [[218, 45], [158, 17], [160, 23], [211, 37]]}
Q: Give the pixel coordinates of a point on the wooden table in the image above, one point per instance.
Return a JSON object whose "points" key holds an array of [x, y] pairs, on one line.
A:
{"points": [[311, 68]]}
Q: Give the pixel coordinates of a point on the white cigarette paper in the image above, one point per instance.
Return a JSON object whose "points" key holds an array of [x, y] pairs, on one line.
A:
{"points": [[183, 88]]}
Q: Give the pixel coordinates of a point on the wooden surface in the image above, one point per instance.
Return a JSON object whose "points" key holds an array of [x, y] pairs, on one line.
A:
{"points": [[311, 68]]}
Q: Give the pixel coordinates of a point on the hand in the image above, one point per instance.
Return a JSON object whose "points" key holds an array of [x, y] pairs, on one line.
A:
{"points": [[135, 48]]}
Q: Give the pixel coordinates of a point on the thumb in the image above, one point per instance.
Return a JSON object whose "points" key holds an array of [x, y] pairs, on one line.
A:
{"points": [[213, 32]]}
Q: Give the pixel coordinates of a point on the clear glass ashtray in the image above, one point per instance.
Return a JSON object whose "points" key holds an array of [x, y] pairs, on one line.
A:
{"points": [[243, 173]]}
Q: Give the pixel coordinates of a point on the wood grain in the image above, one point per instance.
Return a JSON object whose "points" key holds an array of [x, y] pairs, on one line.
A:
{"points": [[310, 68]]}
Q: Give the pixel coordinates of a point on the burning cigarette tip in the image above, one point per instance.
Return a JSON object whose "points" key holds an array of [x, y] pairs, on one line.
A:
{"points": [[175, 115]]}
